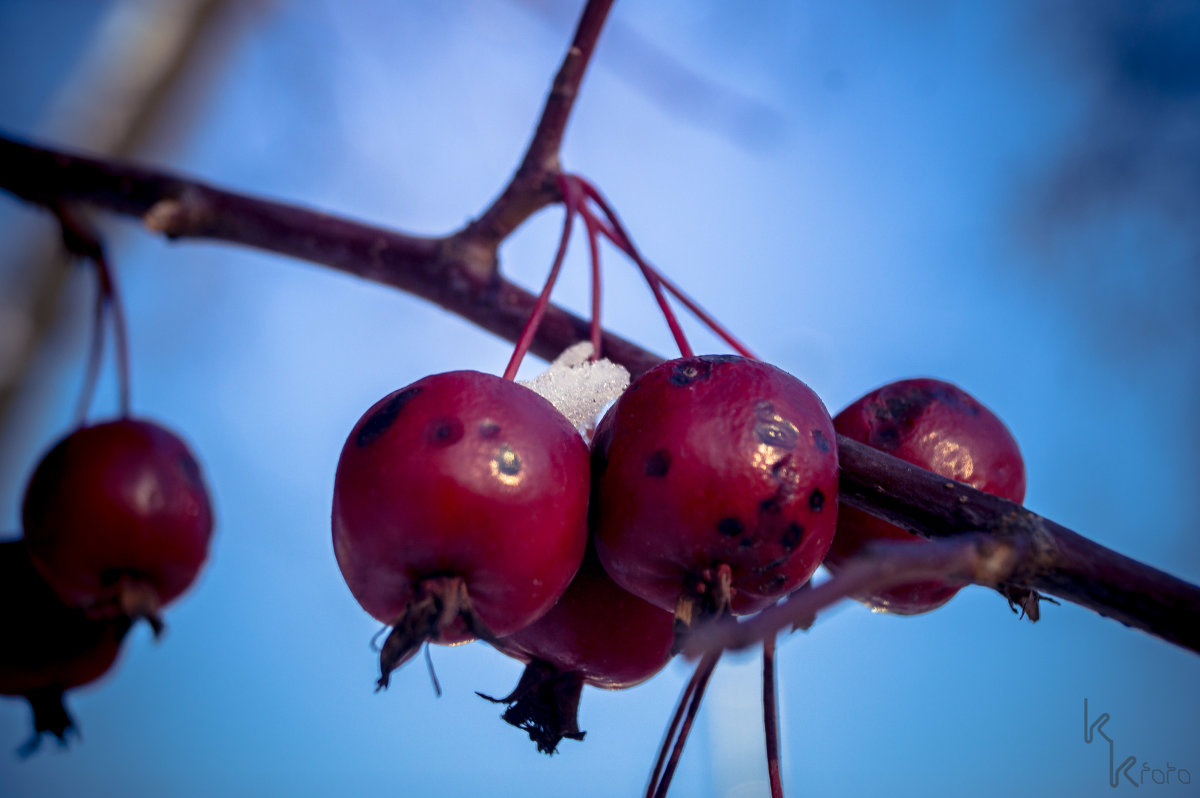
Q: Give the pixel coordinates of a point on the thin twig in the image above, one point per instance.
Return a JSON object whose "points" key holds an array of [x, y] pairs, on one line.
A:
{"points": [[532, 186]]}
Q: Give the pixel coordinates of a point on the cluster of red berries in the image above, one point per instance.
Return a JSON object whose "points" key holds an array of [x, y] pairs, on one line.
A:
{"points": [[466, 506], [461, 509]]}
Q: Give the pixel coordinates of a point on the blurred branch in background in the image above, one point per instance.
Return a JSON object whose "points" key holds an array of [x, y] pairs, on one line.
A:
{"points": [[676, 87], [109, 104]]}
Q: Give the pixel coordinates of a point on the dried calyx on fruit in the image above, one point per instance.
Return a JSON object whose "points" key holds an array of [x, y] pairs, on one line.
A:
{"points": [[459, 510], [117, 519], [597, 634], [939, 427], [714, 486], [48, 647]]}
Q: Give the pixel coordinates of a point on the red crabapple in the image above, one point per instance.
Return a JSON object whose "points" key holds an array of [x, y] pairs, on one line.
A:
{"points": [[117, 518], [48, 648], [941, 428], [714, 485], [459, 510], [597, 634]]}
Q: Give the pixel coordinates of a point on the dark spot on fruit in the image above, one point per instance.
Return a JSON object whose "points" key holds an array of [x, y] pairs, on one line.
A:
{"points": [[507, 461], [689, 371], [897, 411], [657, 463], [381, 419], [772, 565], [747, 542], [787, 477], [771, 505], [816, 500], [731, 526], [772, 584], [821, 441], [489, 429], [444, 431], [191, 471], [792, 536], [885, 437], [773, 429], [110, 576]]}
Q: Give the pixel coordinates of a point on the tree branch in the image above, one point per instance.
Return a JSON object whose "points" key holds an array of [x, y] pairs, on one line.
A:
{"points": [[533, 187], [1054, 559], [975, 557]]}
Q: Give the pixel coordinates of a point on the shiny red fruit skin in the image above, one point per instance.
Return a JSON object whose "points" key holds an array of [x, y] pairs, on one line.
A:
{"points": [[604, 633], [468, 475], [939, 427], [48, 647], [714, 460], [124, 498]]}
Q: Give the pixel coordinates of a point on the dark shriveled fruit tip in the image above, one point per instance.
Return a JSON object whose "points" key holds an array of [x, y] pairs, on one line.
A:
{"points": [[657, 463], [730, 527], [50, 716], [545, 705], [439, 602], [381, 419], [705, 596]]}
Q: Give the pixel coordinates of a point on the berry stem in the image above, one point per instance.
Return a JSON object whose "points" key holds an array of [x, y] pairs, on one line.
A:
{"points": [[108, 287], [80, 239], [539, 308], [706, 317], [771, 717], [625, 243], [95, 355], [597, 332], [681, 726]]}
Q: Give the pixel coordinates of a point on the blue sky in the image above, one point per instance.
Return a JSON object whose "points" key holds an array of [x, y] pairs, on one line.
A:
{"points": [[990, 193]]}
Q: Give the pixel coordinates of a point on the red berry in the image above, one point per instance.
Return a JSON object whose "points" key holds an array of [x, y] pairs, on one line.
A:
{"points": [[943, 429], [459, 510], [712, 466], [117, 518], [48, 647], [597, 634]]}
